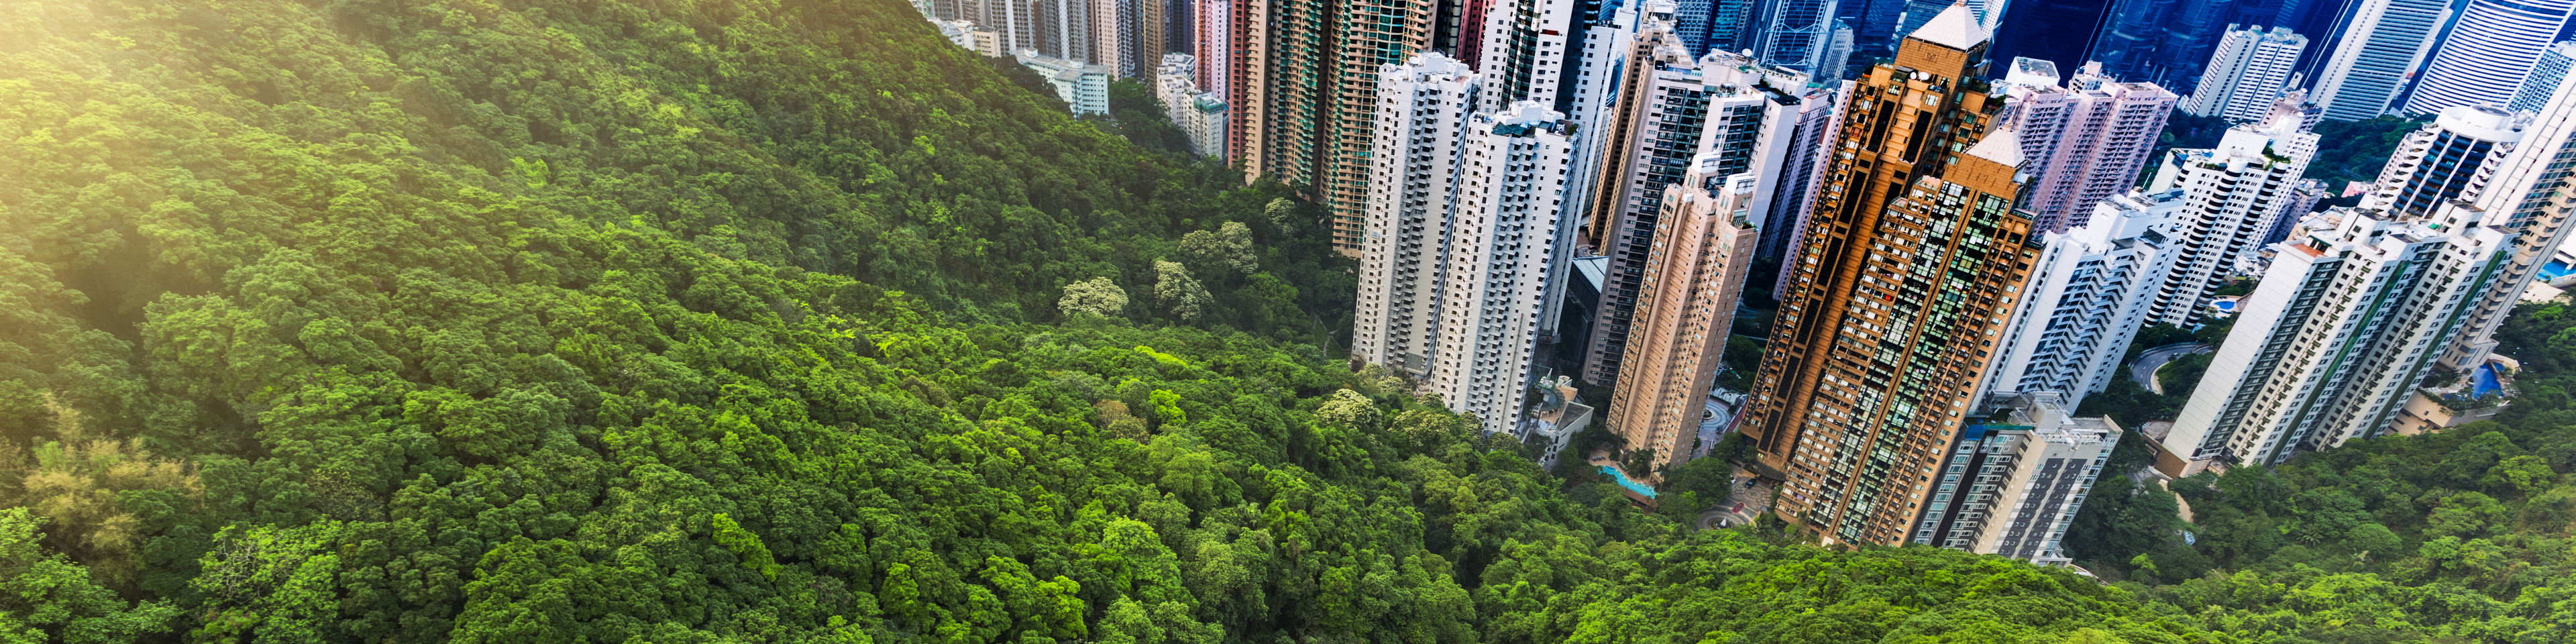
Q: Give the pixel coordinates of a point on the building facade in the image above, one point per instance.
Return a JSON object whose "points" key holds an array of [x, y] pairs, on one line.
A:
{"points": [[1694, 276], [2012, 484], [1462, 210], [1798, 34], [1199, 114], [2250, 69], [2531, 196], [1883, 334], [2451, 158], [2081, 142], [2232, 195], [2380, 46], [2489, 51], [2088, 295], [2546, 74], [1083, 86], [2334, 337], [1672, 108]]}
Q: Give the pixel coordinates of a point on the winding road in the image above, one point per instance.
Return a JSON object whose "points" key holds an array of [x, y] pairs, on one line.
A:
{"points": [[2144, 369]]}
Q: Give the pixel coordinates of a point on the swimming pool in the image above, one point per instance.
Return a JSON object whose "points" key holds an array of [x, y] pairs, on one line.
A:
{"points": [[2485, 381], [1633, 486], [2225, 305], [2554, 270]]}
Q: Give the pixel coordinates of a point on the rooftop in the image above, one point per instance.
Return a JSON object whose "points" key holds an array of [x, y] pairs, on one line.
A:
{"points": [[1953, 28]]}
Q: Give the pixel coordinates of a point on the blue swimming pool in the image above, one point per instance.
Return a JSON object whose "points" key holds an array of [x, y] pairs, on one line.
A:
{"points": [[1633, 486], [2554, 270], [2486, 381], [2225, 305]]}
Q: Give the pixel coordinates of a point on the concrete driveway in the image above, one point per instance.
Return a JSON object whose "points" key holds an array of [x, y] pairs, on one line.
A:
{"points": [[2144, 369], [1748, 503]]}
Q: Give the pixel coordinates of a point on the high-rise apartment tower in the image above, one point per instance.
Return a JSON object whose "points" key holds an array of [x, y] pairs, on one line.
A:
{"points": [[2249, 70], [2232, 194], [2082, 142], [1462, 210], [2088, 295], [1694, 275], [1910, 262], [1667, 114]]}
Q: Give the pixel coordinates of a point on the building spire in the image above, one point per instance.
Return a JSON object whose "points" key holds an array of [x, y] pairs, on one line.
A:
{"points": [[1953, 28]]}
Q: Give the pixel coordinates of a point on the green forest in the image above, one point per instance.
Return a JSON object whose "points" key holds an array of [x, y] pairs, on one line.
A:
{"points": [[606, 321]]}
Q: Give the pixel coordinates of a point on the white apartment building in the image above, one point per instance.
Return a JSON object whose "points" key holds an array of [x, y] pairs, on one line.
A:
{"points": [[1461, 213], [2451, 158], [1199, 114], [2088, 295], [2383, 43], [2353, 308], [1084, 87], [2081, 142], [2011, 484], [2232, 195], [2490, 49], [2531, 195], [2249, 69]]}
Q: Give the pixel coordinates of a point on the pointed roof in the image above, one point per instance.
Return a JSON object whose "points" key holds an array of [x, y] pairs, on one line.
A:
{"points": [[2000, 146], [1953, 28]]}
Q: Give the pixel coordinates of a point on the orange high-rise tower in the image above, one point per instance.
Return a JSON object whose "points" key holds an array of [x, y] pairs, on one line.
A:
{"points": [[1914, 257]]}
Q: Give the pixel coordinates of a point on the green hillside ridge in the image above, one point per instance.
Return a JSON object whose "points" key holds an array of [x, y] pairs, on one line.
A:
{"points": [[789, 322]]}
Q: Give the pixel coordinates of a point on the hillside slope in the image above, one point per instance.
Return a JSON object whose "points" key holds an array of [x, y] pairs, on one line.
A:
{"points": [[736, 322]]}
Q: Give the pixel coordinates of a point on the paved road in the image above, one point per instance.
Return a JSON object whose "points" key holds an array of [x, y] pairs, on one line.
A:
{"points": [[1748, 503], [2144, 369]]}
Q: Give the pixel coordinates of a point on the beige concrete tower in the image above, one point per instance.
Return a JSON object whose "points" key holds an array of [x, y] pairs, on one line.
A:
{"points": [[1694, 274]]}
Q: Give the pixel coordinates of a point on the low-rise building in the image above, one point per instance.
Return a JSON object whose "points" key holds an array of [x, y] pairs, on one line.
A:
{"points": [[1084, 87]]}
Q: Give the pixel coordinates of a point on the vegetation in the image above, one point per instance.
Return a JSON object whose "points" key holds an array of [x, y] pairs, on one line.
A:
{"points": [[2349, 151], [543, 321], [2462, 535]]}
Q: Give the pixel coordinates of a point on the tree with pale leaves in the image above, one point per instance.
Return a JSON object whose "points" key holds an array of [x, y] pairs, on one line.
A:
{"points": [[1180, 293], [1096, 296]]}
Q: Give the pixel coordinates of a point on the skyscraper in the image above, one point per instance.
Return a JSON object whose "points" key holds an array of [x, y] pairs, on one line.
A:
{"points": [[1597, 55], [1693, 276], [1358, 39], [1671, 108], [2451, 158], [1793, 195], [2333, 338], [1719, 25], [1461, 212], [1798, 34], [2379, 47], [2249, 70], [2546, 74], [2488, 52], [2232, 195], [2014, 480], [2088, 295], [2530, 196], [1911, 259], [2083, 142]]}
